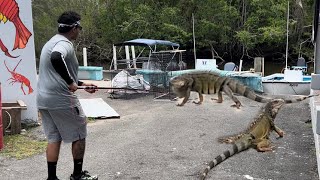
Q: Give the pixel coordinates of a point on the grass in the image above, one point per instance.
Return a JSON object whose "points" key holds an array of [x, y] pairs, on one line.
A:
{"points": [[91, 120], [20, 146]]}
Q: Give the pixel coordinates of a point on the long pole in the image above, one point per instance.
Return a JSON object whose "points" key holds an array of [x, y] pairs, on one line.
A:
{"points": [[94, 87], [287, 44], [194, 41], [317, 38]]}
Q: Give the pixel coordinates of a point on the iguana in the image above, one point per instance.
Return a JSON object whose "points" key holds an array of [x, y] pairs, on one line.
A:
{"points": [[257, 136], [210, 83]]}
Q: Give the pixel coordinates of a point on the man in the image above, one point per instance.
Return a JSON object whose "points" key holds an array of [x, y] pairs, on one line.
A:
{"points": [[62, 116]]}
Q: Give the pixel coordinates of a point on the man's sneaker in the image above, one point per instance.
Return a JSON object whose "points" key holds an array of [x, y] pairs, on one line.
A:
{"points": [[83, 176]]}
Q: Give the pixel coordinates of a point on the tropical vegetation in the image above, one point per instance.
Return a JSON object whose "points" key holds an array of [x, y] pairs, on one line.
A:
{"points": [[227, 30]]}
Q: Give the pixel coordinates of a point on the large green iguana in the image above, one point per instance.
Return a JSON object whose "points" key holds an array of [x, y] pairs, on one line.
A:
{"points": [[257, 136], [211, 83]]}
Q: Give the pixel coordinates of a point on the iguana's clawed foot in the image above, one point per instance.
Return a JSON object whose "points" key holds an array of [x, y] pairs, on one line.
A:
{"points": [[237, 105], [197, 102], [175, 99], [227, 141], [265, 149], [281, 134], [180, 104], [217, 100]]}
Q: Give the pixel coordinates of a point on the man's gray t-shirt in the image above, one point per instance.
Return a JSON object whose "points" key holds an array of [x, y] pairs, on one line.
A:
{"points": [[53, 91]]}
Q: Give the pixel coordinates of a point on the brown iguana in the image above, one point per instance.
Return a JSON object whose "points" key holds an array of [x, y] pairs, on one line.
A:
{"points": [[257, 136], [211, 83], [233, 138]]}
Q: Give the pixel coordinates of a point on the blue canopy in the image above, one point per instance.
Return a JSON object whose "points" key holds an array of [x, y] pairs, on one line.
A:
{"points": [[147, 42]]}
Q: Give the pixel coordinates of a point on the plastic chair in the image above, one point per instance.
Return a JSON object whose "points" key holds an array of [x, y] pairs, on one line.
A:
{"points": [[301, 62], [230, 66]]}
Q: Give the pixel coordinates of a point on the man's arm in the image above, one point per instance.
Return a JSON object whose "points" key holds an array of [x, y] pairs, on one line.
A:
{"points": [[58, 63], [60, 66]]}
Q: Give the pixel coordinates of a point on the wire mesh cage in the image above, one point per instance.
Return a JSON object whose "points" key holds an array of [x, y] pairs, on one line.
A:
{"points": [[159, 78]]}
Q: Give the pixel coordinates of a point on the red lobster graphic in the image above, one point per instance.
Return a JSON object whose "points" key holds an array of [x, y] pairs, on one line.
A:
{"points": [[16, 77], [9, 10]]}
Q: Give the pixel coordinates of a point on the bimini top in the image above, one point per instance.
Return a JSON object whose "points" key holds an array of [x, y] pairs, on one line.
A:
{"points": [[147, 42]]}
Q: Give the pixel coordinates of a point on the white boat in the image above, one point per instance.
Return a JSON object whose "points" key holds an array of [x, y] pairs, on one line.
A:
{"points": [[292, 82]]}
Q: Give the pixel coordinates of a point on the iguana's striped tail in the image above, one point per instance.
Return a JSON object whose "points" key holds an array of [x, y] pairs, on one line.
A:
{"points": [[288, 101], [245, 91], [241, 145]]}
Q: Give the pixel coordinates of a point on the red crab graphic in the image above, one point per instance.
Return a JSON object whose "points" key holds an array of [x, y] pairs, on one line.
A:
{"points": [[19, 78], [9, 10]]}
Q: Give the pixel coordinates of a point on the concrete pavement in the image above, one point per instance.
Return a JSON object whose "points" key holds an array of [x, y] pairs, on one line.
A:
{"points": [[160, 141]]}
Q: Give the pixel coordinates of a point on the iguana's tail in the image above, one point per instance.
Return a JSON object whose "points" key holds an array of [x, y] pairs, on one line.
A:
{"points": [[246, 91], [288, 101], [241, 145]]}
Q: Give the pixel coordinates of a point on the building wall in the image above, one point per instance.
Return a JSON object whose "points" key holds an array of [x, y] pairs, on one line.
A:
{"points": [[315, 118], [18, 79]]}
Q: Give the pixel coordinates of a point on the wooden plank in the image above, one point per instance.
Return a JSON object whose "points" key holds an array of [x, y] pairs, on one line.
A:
{"points": [[22, 104]]}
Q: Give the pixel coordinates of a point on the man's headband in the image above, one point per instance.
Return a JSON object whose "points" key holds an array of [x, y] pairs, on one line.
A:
{"points": [[70, 25]]}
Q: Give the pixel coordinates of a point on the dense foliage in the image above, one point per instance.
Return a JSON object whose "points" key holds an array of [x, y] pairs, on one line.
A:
{"points": [[229, 30]]}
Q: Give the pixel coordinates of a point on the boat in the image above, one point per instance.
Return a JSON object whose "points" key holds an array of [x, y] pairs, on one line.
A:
{"points": [[291, 82]]}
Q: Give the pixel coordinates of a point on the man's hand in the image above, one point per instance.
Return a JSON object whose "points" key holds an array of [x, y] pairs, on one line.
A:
{"points": [[92, 89], [73, 87]]}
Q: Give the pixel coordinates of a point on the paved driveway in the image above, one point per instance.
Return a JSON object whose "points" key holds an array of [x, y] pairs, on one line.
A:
{"points": [[156, 140]]}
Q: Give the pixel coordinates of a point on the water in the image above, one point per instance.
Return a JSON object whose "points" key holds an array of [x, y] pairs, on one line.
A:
{"points": [[271, 68]]}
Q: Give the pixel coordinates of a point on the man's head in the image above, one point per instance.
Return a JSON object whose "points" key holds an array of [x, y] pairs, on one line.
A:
{"points": [[69, 23]]}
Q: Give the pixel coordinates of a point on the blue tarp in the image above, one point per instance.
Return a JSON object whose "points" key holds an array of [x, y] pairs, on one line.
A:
{"points": [[147, 42]]}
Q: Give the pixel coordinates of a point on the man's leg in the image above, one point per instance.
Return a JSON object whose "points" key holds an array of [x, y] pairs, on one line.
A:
{"points": [[72, 126], [54, 142], [53, 150], [78, 149]]}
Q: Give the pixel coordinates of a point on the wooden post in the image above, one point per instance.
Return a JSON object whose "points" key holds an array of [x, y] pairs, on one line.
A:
{"points": [[259, 65], [85, 61], [134, 59], [114, 59], [127, 56]]}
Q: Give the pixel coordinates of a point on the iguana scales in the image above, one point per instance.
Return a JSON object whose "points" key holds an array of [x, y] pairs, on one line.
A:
{"points": [[211, 83], [257, 136]]}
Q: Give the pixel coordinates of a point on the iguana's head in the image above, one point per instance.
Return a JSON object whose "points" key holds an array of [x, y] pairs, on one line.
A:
{"points": [[274, 106], [180, 85]]}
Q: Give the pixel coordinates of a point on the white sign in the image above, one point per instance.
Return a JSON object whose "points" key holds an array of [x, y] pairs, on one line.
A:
{"points": [[206, 64], [18, 75]]}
